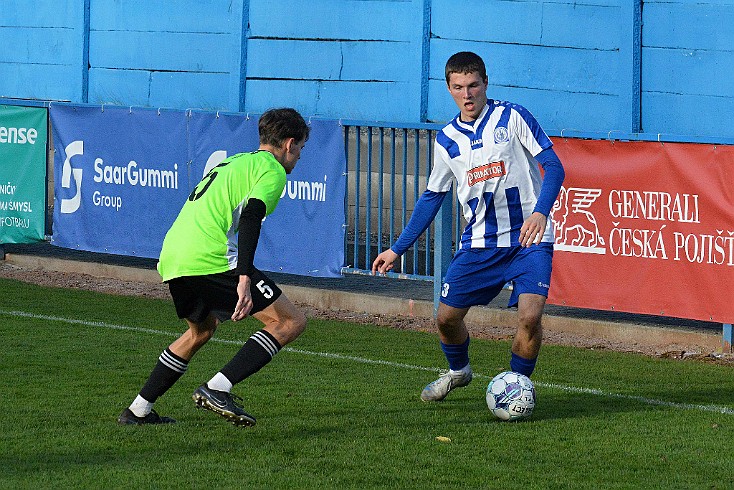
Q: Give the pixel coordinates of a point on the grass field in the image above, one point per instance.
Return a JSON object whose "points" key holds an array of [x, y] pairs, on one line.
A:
{"points": [[339, 408]]}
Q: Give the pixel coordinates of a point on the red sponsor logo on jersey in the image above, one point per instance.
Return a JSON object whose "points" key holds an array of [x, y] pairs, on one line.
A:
{"points": [[486, 172]]}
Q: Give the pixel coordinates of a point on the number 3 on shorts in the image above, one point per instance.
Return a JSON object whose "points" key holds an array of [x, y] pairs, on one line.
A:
{"points": [[265, 289]]}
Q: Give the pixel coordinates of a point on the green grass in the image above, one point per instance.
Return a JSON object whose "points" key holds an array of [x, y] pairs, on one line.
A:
{"points": [[328, 419]]}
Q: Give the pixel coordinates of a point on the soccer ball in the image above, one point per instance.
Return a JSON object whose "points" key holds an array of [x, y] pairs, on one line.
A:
{"points": [[511, 396]]}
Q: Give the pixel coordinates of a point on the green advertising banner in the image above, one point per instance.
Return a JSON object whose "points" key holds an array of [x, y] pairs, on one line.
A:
{"points": [[23, 136]]}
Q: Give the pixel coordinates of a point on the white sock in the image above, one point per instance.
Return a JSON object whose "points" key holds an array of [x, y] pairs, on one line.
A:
{"points": [[465, 370], [220, 383], [141, 407]]}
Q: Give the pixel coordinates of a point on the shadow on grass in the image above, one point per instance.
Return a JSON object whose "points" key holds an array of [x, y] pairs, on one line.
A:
{"points": [[550, 405]]}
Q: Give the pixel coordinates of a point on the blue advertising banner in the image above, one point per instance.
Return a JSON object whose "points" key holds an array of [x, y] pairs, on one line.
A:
{"points": [[121, 176], [305, 234]]}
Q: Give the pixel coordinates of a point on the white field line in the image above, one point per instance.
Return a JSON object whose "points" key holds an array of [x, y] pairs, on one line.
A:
{"points": [[570, 389]]}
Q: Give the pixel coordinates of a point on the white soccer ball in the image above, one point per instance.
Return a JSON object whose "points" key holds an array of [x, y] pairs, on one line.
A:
{"points": [[511, 396]]}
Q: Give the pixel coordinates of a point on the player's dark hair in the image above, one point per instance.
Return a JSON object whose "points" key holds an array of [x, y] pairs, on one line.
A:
{"points": [[277, 125], [465, 62]]}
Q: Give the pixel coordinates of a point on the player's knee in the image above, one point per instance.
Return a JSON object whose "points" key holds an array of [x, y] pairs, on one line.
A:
{"points": [[296, 323], [530, 322], [201, 337], [448, 325], [293, 326]]}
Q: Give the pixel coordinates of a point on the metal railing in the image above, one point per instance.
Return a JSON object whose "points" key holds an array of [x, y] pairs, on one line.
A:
{"points": [[387, 171]]}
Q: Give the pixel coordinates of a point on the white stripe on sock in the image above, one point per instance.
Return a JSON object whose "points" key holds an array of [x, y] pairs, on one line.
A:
{"points": [[265, 342], [171, 362]]}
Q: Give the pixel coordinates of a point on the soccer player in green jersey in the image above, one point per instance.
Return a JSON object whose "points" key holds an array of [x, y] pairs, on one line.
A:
{"points": [[207, 262]]}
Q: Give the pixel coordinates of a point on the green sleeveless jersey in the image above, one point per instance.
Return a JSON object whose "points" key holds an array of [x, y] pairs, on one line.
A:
{"points": [[203, 239]]}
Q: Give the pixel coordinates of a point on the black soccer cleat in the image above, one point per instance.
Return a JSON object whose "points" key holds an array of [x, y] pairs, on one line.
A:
{"points": [[223, 404], [127, 417]]}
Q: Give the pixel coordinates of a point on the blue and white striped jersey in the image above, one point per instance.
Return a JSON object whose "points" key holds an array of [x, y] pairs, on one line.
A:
{"points": [[498, 179]]}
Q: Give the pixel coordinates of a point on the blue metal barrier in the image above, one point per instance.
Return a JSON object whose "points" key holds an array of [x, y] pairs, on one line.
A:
{"points": [[387, 171]]}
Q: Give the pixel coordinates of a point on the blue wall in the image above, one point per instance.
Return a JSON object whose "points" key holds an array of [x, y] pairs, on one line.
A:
{"points": [[178, 54], [41, 55], [688, 69], [590, 65]]}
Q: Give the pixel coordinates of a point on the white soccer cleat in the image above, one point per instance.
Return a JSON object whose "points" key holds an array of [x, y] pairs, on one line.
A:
{"points": [[437, 390]]}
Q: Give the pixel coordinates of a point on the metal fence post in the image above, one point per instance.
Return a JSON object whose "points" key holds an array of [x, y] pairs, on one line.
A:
{"points": [[442, 247], [726, 341]]}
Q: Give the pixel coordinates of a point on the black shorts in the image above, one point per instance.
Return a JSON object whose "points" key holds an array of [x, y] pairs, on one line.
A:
{"points": [[196, 296]]}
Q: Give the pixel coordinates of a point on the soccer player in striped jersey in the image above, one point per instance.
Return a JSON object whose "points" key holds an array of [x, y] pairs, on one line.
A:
{"points": [[492, 149], [207, 261]]}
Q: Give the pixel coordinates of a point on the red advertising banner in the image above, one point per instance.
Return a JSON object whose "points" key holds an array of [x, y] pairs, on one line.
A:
{"points": [[645, 227]]}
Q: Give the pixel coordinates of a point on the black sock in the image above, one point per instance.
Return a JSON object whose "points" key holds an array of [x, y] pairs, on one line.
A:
{"points": [[166, 372], [256, 353]]}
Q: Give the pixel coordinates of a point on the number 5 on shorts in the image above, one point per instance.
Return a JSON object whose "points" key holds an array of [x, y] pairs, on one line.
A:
{"points": [[265, 289]]}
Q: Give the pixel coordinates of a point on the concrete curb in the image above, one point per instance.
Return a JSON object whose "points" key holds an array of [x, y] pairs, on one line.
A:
{"points": [[643, 335], [95, 269]]}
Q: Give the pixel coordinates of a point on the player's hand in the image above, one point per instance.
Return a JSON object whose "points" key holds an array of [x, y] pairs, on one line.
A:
{"points": [[533, 229], [384, 262], [244, 303]]}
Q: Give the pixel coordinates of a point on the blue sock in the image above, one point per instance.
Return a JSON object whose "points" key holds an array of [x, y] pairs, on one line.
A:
{"points": [[522, 365], [457, 355]]}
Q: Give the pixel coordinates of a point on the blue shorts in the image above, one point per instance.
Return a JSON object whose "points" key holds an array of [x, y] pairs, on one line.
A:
{"points": [[477, 275]]}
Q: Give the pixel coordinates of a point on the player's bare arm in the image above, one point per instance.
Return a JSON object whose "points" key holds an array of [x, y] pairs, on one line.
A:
{"points": [[244, 303], [533, 229], [384, 262]]}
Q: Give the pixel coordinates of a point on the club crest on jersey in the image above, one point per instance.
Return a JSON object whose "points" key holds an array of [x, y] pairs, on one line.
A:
{"points": [[501, 135], [486, 172]]}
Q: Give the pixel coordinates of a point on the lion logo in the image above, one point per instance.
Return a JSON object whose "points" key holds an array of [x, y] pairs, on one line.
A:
{"points": [[574, 225]]}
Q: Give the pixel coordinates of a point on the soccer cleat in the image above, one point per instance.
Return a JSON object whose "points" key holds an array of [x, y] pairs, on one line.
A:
{"points": [[127, 417], [222, 403], [437, 390]]}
